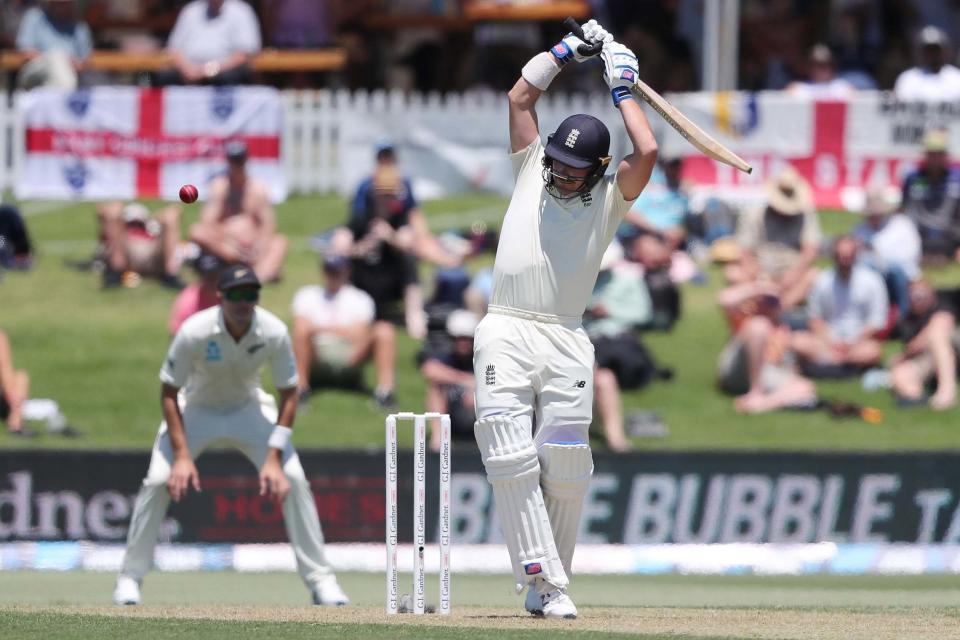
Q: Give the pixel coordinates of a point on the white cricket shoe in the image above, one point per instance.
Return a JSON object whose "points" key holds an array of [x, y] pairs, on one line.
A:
{"points": [[127, 591], [533, 604], [328, 593], [557, 604]]}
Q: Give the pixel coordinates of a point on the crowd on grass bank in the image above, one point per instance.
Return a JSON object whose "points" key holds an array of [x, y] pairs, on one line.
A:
{"points": [[791, 321]]}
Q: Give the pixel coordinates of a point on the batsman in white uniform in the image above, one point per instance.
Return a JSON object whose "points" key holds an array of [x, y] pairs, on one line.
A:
{"points": [[216, 358], [532, 358]]}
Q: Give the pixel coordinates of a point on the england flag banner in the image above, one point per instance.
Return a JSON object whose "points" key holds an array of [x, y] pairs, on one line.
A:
{"points": [[130, 142]]}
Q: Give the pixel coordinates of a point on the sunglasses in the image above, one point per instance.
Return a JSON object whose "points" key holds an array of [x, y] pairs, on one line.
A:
{"points": [[241, 295], [563, 177]]}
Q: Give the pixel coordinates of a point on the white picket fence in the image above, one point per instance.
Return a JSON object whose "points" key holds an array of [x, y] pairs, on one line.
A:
{"points": [[312, 143]]}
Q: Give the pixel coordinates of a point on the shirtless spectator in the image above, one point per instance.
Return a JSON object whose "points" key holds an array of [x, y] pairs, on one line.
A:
{"points": [[238, 223], [134, 244]]}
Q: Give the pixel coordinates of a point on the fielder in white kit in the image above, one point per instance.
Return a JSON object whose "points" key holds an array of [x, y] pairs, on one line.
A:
{"points": [[216, 358], [532, 358]]}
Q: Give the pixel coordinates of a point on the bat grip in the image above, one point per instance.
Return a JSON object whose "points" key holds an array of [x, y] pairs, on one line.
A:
{"points": [[577, 30]]}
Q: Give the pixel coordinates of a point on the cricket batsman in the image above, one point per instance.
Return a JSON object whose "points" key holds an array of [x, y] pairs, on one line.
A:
{"points": [[532, 358], [215, 358]]}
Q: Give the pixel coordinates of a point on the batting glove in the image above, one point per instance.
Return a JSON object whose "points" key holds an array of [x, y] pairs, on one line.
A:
{"points": [[619, 70], [569, 47]]}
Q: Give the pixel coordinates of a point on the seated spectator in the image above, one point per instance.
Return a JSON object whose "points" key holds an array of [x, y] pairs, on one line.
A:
{"points": [[477, 296], [237, 223], [332, 330], [134, 244], [448, 371], [661, 209], [297, 24], [929, 356], [57, 44], [16, 250], [385, 235], [931, 199], [934, 79], [619, 304], [653, 254], [847, 307], [212, 42], [200, 295], [822, 82], [890, 244], [16, 407], [780, 240]]}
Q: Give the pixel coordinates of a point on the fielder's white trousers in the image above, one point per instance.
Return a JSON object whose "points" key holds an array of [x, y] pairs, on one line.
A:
{"points": [[247, 430]]}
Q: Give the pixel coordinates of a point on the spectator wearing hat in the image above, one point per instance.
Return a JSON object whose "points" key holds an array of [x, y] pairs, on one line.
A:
{"points": [[448, 371], [212, 42], [779, 241], [237, 223], [57, 44], [889, 243], [199, 295], [135, 244], [822, 82], [934, 79], [847, 308], [931, 198], [332, 329]]}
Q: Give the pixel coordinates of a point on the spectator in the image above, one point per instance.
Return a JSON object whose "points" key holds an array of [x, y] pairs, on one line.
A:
{"points": [[212, 42], [332, 330], [297, 24], [448, 371], [16, 406], [780, 240], [238, 223], [653, 254], [16, 250], [57, 44], [934, 79], [134, 244], [618, 305], [890, 244], [385, 235], [200, 295], [847, 308], [931, 198], [929, 355], [11, 14], [822, 82], [661, 209]]}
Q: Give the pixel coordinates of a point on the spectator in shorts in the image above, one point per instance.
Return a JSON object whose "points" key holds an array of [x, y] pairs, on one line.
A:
{"points": [[332, 330], [16, 406], [934, 79], [931, 198], [448, 371], [134, 244], [618, 305], [212, 42], [237, 223], [57, 44], [200, 295], [929, 356], [847, 308], [779, 241], [661, 209]]}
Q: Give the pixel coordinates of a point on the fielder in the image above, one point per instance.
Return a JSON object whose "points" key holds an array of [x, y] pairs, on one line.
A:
{"points": [[216, 358], [532, 358]]}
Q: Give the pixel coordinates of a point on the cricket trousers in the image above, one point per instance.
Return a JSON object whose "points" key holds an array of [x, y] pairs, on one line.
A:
{"points": [[247, 430]]}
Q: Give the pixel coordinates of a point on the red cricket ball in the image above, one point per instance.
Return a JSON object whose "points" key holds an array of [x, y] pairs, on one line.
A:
{"points": [[189, 193]]}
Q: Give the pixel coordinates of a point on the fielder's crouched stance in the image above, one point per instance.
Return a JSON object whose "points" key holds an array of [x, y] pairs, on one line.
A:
{"points": [[532, 358], [216, 358]]}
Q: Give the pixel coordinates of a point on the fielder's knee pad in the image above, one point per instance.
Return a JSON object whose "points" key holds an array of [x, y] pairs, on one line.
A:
{"points": [[513, 469], [565, 478]]}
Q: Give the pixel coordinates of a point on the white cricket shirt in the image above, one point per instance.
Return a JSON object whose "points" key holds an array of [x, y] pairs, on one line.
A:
{"points": [[549, 251], [348, 306], [218, 373]]}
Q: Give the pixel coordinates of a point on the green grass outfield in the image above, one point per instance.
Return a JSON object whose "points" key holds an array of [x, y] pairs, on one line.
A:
{"points": [[98, 352], [227, 605]]}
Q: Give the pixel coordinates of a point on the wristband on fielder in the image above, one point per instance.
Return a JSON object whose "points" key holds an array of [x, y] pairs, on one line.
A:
{"points": [[540, 70], [280, 437]]}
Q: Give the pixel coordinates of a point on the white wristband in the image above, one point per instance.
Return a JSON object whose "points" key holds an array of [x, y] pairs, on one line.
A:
{"points": [[280, 437], [540, 70]]}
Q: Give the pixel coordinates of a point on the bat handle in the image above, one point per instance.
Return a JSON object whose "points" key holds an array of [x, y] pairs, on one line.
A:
{"points": [[577, 30]]}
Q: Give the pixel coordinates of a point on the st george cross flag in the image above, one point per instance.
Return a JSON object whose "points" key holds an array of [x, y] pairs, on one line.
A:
{"points": [[130, 142]]}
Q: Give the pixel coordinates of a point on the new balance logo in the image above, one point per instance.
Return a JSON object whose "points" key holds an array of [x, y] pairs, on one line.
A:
{"points": [[491, 375], [572, 138], [580, 384]]}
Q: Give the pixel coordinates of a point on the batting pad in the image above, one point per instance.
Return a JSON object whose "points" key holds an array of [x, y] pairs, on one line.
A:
{"points": [[513, 470], [565, 478]]}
